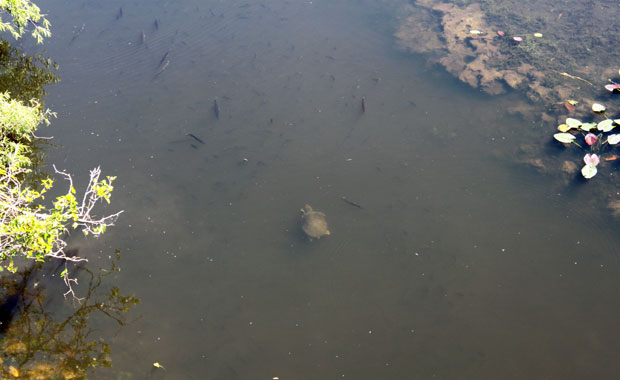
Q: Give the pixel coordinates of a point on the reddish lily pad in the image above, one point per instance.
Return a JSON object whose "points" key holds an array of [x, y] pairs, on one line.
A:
{"points": [[614, 87]]}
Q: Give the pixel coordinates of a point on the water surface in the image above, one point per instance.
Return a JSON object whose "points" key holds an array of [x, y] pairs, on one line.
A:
{"points": [[459, 265]]}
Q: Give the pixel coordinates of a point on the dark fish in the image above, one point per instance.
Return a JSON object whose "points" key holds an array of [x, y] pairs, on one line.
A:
{"points": [[162, 68], [195, 138], [216, 109], [349, 202], [120, 13], [363, 104], [156, 24], [77, 32], [163, 58]]}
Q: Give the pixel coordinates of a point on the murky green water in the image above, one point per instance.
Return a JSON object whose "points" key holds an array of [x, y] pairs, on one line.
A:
{"points": [[459, 265]]}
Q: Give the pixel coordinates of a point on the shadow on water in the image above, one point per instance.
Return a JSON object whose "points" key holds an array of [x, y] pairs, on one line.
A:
{"points": [[44, 337]]}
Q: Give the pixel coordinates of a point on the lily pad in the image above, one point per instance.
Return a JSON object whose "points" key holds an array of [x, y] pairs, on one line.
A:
{"points": [[566, 138], [613, 139], [605, 125], [597, 107], [588, 126], [588, 171], [573, 123], [563, 128], [615, 87]]}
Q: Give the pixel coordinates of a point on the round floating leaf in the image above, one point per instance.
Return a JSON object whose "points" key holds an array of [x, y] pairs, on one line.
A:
{"points": [[588, 126], [566, 138], [613, 139], [605, 125], [591, 159], [596, 107], [563, 128], [573, 123], [588, 171], [617, 121], [612, 87]]}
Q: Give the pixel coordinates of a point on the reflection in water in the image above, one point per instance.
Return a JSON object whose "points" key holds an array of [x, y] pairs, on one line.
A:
{"points": [[25, 76], [38, 341]]}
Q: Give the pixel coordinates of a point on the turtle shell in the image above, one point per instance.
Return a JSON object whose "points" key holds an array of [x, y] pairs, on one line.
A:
{"points": [[313, 223]]}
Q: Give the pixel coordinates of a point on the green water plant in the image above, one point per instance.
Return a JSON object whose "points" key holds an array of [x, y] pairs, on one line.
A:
{"points": [[597, 137], [21, 16], [30, 228]]}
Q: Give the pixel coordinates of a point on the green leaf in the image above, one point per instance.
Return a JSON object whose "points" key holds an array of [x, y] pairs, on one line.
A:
{"points": [[573, 123], [588, 126], [588, 171], [566, 138], [613, 139], [605, 125]]}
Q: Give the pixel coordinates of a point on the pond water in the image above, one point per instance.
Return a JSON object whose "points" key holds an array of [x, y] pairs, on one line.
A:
{"points": [[459, 263]]}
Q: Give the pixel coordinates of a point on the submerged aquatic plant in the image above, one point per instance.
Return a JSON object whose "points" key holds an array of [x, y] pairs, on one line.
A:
{"points": [[594, 135]]}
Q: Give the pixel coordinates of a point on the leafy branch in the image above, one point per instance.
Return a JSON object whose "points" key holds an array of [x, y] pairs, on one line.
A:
{"points": [[23, 16], [28, 229]]}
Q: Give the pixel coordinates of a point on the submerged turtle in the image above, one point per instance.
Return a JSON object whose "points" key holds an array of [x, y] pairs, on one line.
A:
{"points": [[313, 222]]}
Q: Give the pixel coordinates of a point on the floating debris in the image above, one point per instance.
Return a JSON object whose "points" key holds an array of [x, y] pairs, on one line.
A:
{"points": [[156, 24], [574, 77], [119, 14], [363, 104], [157, 365]]}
